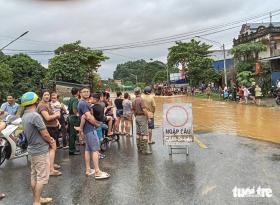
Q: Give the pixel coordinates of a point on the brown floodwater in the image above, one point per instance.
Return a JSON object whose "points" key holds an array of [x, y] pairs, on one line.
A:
{"points": [[228, 118]]}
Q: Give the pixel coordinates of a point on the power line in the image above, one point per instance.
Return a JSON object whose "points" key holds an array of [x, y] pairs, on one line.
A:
{"points": [[194, 32], [169, 39]]}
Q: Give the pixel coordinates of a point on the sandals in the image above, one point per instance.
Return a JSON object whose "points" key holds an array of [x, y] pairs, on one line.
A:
{"points": [[91, 172], [102, 175], [45, 200], [110, 135], [102, 156], [66, 147], [55, 173], [2, 196], [56, 166]]}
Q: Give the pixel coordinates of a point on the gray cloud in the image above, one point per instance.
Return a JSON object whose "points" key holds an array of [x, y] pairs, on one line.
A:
{"points": [[106, 22]]}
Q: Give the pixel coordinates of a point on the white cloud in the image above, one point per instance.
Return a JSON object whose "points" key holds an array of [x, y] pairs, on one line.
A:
{"points": [[108, 22]]}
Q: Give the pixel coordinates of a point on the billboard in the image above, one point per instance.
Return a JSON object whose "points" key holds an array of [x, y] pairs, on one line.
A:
{"points": [[178, 78]]}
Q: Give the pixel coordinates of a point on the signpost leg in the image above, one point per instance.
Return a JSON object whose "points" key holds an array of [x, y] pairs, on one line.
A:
{"points": [[170, 150], [187, 150]]}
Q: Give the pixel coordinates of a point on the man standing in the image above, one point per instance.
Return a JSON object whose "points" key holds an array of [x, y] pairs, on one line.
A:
{"points": [[141, 118], [151, 107], [39, 142], [92, 142], [73, 121], [10, 106]]}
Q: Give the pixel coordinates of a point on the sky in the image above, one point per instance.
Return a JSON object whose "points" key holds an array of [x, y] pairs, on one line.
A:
{"points": [[98, 23]]}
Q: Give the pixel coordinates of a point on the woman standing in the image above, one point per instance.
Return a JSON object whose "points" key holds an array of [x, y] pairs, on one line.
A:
{"points": [[52, 124], [119, 112], [127, 113]]}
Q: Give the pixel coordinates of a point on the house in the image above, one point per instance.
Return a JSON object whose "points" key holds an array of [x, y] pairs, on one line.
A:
{"points": [[218, 59], [64, 88], [268, 33]]}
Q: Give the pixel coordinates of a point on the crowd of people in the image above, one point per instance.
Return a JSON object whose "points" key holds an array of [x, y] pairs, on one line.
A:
{"points": [[243, 94], [88, 114]]}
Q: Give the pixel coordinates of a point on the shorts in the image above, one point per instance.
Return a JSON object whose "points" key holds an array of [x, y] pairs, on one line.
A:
{"points": [[54, 132], [151, 123], [127, 116], [258, 97], [40, 168], [92, 142], [119, 113], [141, 125]]}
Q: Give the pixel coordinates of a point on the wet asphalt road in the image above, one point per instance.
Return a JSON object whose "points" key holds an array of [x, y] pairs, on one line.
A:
{"points": [[206, 176]]}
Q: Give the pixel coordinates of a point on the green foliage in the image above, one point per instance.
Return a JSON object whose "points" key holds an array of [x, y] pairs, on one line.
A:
{"points": [[248, 51], [193, 57], [248, 65], [247, 56], [145, 71], [28, 74], [185, 53], [264, 78], [160, 76], [6, 83], [245, 78], [75, 63]]}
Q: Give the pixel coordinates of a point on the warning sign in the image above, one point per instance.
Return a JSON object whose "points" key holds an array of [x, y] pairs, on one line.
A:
{"points": [[177, 123]]}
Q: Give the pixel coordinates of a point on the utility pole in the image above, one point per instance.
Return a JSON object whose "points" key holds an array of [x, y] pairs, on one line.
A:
{"points": [[224, 53], [167, 75], [14, 40], [225, 69]]}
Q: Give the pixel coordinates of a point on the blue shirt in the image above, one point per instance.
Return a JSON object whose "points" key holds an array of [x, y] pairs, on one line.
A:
{"points": [[11, 109], [84, 107]]}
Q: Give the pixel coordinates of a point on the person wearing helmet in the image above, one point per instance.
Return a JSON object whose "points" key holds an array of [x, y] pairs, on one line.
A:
{"points": [[39, 143], [141, 118], [150, 104]]}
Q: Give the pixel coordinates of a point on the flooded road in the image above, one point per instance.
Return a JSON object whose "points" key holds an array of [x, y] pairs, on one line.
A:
{"points": [[206, 176], [228, 118]]}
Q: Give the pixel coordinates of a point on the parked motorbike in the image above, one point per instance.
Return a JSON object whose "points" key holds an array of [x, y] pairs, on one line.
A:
{"points": [[275, 92], [277, 99], [13, 142]]}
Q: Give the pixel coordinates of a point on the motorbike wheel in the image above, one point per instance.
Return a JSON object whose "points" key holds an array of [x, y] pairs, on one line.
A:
{"points": [[3, 151], [117, 137], [104, 144], [278, 100]]}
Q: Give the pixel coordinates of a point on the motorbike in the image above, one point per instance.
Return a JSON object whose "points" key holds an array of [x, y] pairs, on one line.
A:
{"points": [[13, 142], [277, 99], [275, 92]]}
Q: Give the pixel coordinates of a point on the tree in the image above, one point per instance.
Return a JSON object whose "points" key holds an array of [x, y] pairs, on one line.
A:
{"points": [[184, 53], [6, 83], [246, 55], [28, 74], [75, 63], [160, 76], [248, 51], [145, 71], [193, 58], [245, 78]]}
